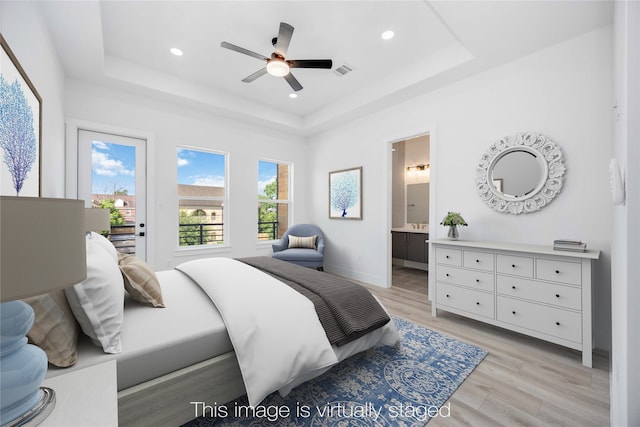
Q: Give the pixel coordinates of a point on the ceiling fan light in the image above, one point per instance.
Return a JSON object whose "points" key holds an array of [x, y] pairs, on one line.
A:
{"points": [[388, 35], [277, 67]]}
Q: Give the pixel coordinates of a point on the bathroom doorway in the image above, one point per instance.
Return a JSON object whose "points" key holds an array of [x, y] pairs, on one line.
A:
{"points": [[411, 168]]}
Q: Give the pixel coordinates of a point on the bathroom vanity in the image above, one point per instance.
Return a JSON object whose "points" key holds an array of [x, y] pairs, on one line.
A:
{"points": [[410, 244]]}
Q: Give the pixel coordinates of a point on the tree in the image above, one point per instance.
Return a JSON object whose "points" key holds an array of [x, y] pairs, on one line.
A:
{"points": [[268, 211], [116, 217], [17, 135]]}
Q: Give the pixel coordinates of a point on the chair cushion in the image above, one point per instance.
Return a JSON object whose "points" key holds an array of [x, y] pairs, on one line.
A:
{"points": [[302, 242], [299, 254]]}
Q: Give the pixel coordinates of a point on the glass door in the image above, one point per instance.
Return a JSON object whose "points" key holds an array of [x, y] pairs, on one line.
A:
{"points": [[112, 175]]}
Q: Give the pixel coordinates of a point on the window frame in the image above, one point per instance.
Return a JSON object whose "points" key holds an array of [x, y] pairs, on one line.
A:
{"points": [[226, 242], [288, 202]]}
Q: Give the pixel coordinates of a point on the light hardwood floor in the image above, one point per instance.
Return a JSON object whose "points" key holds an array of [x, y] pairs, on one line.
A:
{"points": [[522, 382]]}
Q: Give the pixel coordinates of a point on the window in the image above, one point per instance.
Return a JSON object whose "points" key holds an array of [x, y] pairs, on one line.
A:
{"points": [[201, 197], [273, 199]]}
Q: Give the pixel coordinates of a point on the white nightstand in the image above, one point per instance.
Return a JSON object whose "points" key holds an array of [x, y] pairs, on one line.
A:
{"points": [[85, 397]]}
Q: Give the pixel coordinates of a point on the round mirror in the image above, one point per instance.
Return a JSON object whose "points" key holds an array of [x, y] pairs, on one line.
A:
{"points": [[517, 173], [520, 173]]}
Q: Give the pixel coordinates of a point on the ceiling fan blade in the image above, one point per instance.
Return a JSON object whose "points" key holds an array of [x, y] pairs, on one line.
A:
{"points": [[255, 75], [284, 38], [310, 63], [243, 50], [293, 82]]}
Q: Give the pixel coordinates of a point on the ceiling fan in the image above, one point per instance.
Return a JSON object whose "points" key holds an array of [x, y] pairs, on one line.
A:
{"points": [[278, 65]]}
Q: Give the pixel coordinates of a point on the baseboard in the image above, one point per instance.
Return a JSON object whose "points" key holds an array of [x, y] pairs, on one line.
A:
{"points": [[359, 276]]}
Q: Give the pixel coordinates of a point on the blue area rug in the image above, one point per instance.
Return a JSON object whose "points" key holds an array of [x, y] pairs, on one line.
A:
{"points": [[381, 387]]}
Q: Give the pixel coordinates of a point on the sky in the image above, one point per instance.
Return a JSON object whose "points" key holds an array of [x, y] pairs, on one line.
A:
{"points": [[197, 167], [113, 167]]}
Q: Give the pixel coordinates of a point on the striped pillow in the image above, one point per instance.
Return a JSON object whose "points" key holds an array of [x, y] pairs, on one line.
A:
{"points": [[140, 281], [302, 242], [55, 329]]}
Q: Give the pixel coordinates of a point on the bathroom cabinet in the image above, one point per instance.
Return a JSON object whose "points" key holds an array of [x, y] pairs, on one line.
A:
{"points": [[410, 245]]}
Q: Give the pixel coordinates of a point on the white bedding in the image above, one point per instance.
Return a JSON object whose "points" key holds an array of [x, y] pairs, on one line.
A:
{"points": [[154, 339], [275, 331]]}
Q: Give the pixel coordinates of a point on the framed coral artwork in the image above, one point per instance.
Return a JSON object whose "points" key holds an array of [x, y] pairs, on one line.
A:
{"points": [[20, 128], [345, 194]]}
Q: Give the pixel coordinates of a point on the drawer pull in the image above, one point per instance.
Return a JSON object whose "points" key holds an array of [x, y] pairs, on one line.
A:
{"points": [[557, 295], [477, 280], [513, 266], [513, 312], [447, 295], [477, 260], [477, 303], [513, 287], [557, 271], [447, 274], [557, 323], [446, 256]]}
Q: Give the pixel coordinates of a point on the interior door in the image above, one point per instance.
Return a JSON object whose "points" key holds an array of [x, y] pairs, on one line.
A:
{"points": [[112, 174]]}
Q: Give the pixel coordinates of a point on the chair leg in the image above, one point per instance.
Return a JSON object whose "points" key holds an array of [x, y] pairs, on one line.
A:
{"points": [[320, 268]]}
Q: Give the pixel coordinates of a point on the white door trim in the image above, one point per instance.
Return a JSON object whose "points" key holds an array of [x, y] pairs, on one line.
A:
{"points": [[73, 126], [431, 130]]}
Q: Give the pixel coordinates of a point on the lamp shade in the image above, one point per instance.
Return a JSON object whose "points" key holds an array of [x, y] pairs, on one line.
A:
{"points": [[96, 219], [42, 245]]}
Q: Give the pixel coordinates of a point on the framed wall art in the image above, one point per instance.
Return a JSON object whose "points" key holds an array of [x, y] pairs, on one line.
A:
{"points": [[20, 128], [345, 194]]}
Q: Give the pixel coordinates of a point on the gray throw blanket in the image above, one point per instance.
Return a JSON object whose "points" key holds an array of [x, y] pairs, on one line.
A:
{"points": [[346, 310]]}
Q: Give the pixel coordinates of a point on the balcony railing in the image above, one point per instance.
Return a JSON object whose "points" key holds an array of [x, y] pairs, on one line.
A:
{"points": [[123, 238], [208, 233], [268, 230], [211, 233]]}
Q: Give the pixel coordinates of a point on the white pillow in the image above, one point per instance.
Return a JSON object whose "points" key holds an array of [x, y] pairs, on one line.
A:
{"points": [[98, 301], [104, 243]]}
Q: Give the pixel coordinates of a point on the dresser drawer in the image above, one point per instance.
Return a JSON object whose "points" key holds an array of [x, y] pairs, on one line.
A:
{"points": [[548, 320], [473, 279], [516, 265], [449, 256], [559, 271], [478, 260], [476, 302], [547, 293]]}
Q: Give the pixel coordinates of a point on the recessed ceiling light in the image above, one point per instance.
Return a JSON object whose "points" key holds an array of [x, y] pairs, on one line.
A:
{"points": [[176, 51], [293, 95], [388, 35]]}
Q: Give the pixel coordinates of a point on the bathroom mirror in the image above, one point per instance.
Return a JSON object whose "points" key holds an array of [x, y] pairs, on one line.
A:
{"points": [[418, 203], [520, 173]]}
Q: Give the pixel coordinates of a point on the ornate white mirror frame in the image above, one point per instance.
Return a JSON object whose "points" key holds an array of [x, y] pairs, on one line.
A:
{"points": [[552, 169]]}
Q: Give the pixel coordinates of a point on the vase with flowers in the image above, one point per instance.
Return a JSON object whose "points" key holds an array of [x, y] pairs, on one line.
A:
{"points": [[453, 220]]}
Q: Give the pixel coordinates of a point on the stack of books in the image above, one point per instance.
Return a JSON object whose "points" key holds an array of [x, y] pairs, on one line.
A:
{"points": [[569, 245]]}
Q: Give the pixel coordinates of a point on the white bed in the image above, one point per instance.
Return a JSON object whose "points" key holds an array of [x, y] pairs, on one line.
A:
{"points": [[182, 353]]}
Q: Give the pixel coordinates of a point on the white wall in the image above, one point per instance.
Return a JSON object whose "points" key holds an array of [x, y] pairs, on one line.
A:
{"points": [[23, 28], [625, 248], [172, 125], [564, 92]]}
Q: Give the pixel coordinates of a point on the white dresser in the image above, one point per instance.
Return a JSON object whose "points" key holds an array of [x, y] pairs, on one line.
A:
{"points": [[530, 289]]}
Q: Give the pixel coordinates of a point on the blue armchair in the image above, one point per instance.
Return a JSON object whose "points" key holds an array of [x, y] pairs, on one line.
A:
{"points": [[306, 257]]}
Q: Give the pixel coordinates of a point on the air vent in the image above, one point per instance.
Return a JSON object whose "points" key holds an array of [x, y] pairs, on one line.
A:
{"points": [[343, 70]]}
